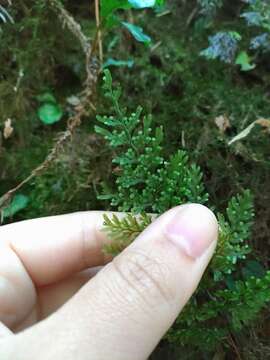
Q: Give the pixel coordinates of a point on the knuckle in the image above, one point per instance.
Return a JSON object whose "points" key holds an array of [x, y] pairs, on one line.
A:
{"points": [[147, 276]]}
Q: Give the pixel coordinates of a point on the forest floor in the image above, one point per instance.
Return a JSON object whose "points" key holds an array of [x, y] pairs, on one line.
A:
{"points": [[202, 105]]}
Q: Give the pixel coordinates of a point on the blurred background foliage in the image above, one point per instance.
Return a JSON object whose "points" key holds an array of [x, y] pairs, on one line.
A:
{"points": [[181, 77]]}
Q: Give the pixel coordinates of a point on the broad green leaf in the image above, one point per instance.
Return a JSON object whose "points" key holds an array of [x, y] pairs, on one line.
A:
{"points": [[140, 4], [109, 6], [18, 203], [112, 21], [119, 63], [244, 61], [137, 32], [160, 2], [50, 113]]}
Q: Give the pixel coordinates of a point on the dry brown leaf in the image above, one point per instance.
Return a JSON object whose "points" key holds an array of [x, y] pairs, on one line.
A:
{"points": [[8, 129], [265, 123], [223, 123]]}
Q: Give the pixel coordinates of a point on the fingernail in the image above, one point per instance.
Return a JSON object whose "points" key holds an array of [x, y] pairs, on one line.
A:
{"points": [[193, 229]]}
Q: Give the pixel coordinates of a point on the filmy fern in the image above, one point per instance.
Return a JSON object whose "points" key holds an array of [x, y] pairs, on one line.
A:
{"points": [[148, 181]]}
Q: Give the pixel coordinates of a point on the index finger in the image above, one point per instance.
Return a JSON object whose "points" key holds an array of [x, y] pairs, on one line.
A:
{"points": [[52, 248]]}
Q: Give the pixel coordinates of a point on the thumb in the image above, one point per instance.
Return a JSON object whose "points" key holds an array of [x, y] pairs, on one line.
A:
{"points": [[127, 308]]}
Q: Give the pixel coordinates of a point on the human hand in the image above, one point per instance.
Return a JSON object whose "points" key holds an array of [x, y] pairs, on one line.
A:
{"points": [[47, 287]]}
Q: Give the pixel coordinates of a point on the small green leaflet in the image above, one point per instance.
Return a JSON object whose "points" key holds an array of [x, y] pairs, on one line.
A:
{"points": [[50, 113], [137, 32], [109, 6], [244, 61], [118, 63], [18, 203], [102, 131]]}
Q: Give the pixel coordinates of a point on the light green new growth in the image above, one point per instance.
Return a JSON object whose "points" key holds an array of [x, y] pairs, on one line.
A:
{"points": [[123, 231]]}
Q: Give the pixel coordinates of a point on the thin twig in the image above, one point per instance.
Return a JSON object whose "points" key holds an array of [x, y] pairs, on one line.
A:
{"points": [[192, 16], [92, 71], [99, 33], [237, 353], [155, 46], [71, 24]]}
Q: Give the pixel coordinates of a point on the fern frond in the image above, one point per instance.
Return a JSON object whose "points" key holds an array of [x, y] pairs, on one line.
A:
{"points": [[148, 182], [240, 213], [246, 299], [123, 231], [233, 232]]}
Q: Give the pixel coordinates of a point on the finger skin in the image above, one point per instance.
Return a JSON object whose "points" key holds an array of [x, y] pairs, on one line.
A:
{"points": [[54, 247], [51, 297], [125, 310], [41, 252]]}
